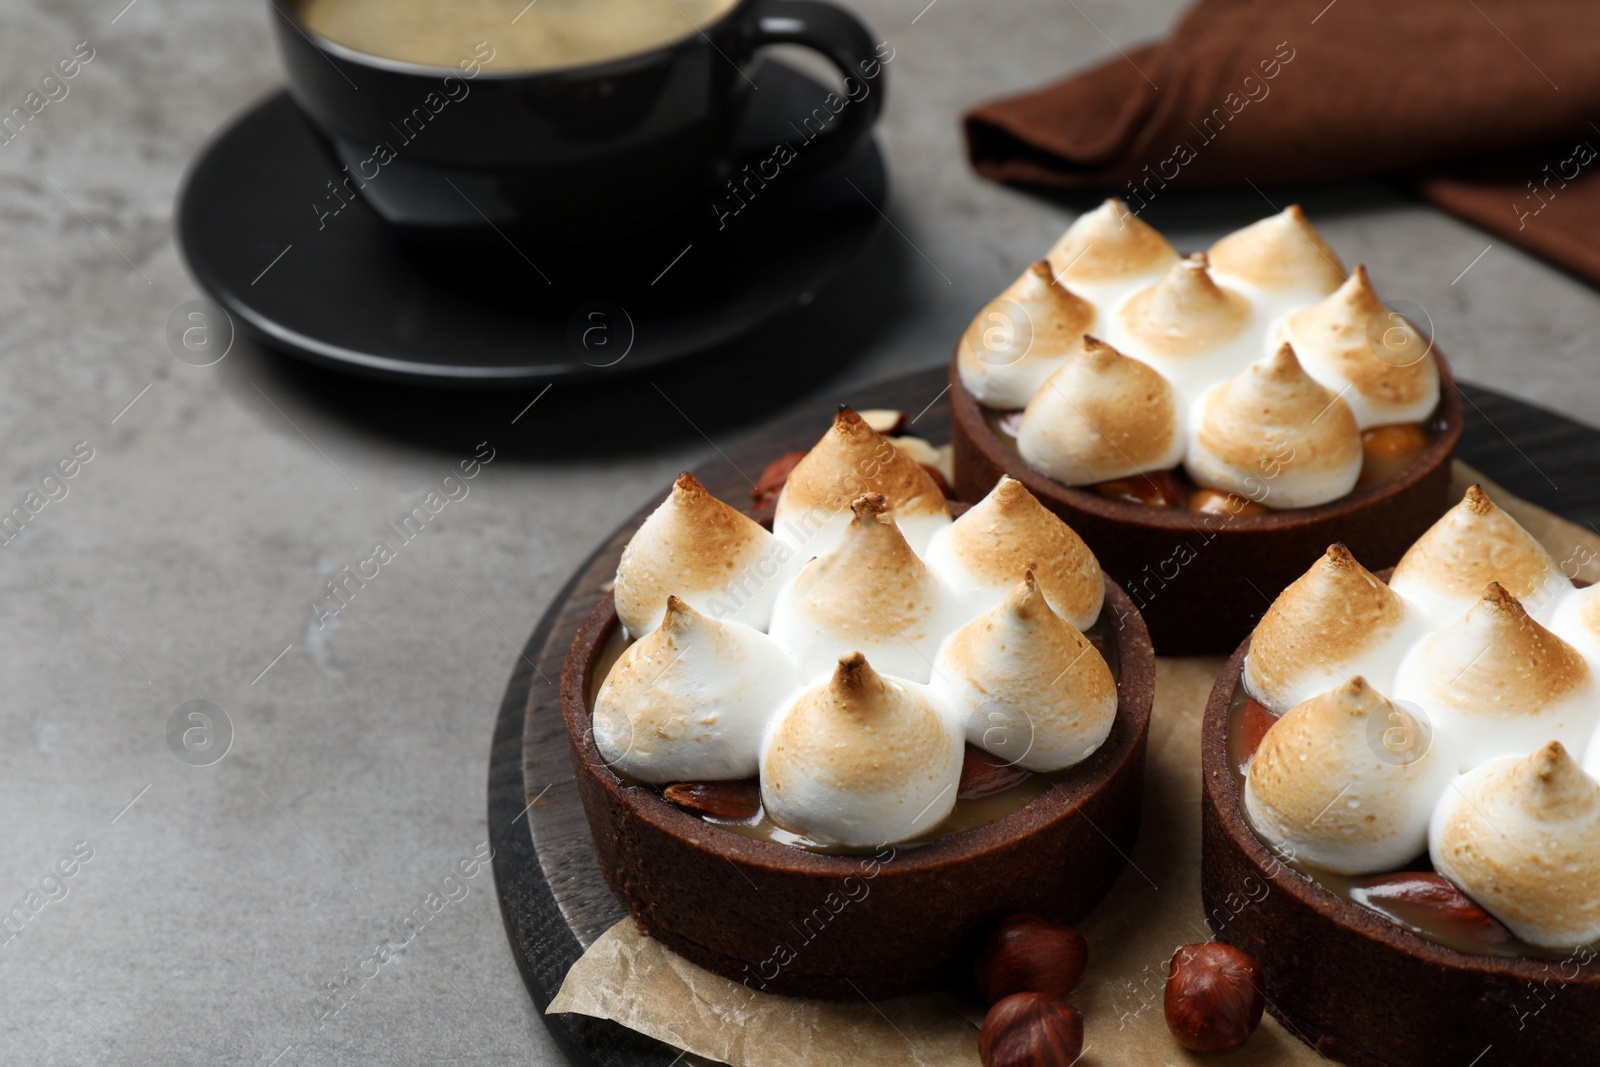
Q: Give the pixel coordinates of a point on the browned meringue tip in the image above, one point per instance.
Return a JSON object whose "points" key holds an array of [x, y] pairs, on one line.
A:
{"points": [[1118, 208], [1099, 355], [1107, 242], [1188, 281], [1339, 555], [1477, 501], [1550, 760], [679, 615], [846, 421], [1011, 496], [1354, 697], [854, 677], [1025, 599], [1297, 218], [1472, 542], [869, 506], [1284, 366], [1188, 300], [1552, 778], [1358, 290], [1499, 599], [852, 458], [1351, 307], [848, 424], [1514, 648], [1340, 563], [1356, 686], [1042, 269], [688, 486], [1280, 251], [850, 664]]}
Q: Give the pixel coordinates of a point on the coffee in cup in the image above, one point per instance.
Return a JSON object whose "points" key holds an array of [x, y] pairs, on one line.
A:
{"points": [[525, 36]]}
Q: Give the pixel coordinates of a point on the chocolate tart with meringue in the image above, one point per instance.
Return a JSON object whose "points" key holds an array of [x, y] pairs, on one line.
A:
{"points": [[1242, 408], [816, 699], [1397, 822]]}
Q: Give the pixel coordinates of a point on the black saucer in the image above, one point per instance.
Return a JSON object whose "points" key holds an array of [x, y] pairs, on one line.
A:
{"points": [[348, 294]]}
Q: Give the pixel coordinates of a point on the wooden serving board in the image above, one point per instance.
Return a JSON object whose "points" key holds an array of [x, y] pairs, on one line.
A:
{"points": [[553, 898]]}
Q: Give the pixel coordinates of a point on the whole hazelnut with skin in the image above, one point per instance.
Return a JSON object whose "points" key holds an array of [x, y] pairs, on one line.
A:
{"points": [[1031, 1030], [1027, 954], [1214, 999]]}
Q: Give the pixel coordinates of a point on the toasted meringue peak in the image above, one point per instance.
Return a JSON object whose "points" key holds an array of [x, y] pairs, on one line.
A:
{"points": [[1336, 620], [851, 459], [1353, 341], [1107, 245], [1521, 836], [1348, 780], [1273, 434], [1101, 416], [702, 550], [1496, 683], [860, 760], [1027, 685], [1475, 543], [871, 593], [984, 553], [1279, 253], [691, 699], [1020, 337], [1186, 313]]}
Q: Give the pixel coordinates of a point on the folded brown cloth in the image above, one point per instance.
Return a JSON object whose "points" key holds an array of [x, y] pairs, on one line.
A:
{"points": [[1488, 108]]}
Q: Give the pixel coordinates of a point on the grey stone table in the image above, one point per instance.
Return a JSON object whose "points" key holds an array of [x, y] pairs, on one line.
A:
{"points": [[174, 913]]}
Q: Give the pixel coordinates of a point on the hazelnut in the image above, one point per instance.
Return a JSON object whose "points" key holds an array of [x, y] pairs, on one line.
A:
{"points": [[773, 478], [1214, 997], [1156, 489], [1388, 450], [1027, 954], [1031, 1030], [1396, 442], [1216, 502], [1426, 899], [984, 775], [724, 801]]}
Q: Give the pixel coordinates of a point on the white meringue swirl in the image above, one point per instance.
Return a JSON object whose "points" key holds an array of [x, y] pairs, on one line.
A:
{"points": [[1208, 325], [1484, 688], [875, 662]]}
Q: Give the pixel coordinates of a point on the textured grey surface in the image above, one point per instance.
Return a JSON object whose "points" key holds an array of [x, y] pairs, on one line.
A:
{"points": [[186, 554]]}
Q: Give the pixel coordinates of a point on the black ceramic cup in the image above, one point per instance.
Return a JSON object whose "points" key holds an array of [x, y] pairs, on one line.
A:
{"points": [[583, 156]]}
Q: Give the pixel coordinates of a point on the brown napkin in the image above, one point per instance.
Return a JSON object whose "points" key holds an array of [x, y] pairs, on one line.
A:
{"points": [[1489, 108]]}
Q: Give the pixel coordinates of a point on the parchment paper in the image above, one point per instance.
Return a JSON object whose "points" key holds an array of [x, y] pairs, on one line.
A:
{"points": [[1153, 908]]}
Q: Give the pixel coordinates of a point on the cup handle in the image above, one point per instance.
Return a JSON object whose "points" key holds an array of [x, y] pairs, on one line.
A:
{"points": [[844, 40]]}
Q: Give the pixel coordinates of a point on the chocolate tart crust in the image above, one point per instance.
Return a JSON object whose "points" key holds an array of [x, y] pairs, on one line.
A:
{"points": [[1191, 575], [1358, 988], [901, 920]]}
